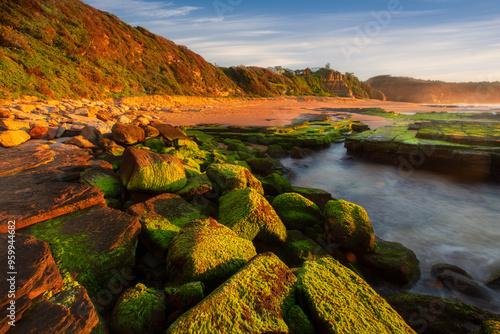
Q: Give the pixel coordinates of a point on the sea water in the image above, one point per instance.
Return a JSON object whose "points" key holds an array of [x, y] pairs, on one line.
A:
{"points": [[443, 219]]}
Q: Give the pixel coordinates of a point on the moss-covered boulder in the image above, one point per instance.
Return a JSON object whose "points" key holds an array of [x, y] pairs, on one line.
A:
{"points": [[394, 263], [339, 301], [296, 211], [140, 310], [254, 300], [262, 166], [276, 151], [275, 184], [348, 224], [491, 327], [104, 179], [251, 216], [207, 251], [319, 196], [147, 171], [184, 295], [299, 248], [155, 144], [161, 218], [435, 315], [231, 177], [92, 244], [196, 186], [298, 322]]}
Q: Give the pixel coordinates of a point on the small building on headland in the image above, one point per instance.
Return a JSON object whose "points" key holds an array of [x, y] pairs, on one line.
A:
{"points": [[305, 72]]}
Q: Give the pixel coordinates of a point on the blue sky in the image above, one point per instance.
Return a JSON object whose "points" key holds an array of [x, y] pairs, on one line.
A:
{"points": [[451, 40]]}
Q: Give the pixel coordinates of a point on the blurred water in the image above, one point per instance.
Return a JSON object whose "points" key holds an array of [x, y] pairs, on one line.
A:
{"points": [[440, 218]]}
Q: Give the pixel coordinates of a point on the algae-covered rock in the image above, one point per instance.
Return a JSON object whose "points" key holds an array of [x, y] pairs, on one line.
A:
{"points": [[185, 295], [104, 179], [340, 302], [394, 263], [348, 224], [197, 185], [231, 177], [435, 315], [261, 166], [275, 184], [155, 144], [250, 215], [140, 310], [491, 327], [147, 171], [92, 244], [299, 248], [319, 196], [254, 300], [161, 218], [207, 251], [298, 322], [296, 211]]}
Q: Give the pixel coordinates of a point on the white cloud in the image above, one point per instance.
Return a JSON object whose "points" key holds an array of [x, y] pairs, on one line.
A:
{"points": [[139, 8]]}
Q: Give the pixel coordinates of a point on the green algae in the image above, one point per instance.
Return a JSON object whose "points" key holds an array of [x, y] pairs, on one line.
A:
{"points": [[140, 310], [196, 186], [491, 327], [300, 248], [296, 211], [348, 224], [298, 322], [207, 251], [338, 301], [103, 179], [185, 295], [254, 300], [75, 254], [275, 184], [251, 216], [232, 177], [156, 145]]}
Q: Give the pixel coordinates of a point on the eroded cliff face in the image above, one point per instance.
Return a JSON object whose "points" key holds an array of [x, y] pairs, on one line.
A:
{"points": [[424, 91], [335, 83]]}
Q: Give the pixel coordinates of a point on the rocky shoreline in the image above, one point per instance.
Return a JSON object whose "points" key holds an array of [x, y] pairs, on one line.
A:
{"points": [[127, 224]]}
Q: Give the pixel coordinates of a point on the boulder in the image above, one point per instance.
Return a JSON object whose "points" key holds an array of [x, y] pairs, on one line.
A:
{"points": [[276, 152], [275, 184], [70, 311], [339, 301], [254, 300], [92, 244], [9, 124], [319, 196], [15, 161], [493, 281], [168, 131], [299, 248], [298, 322], [140, 310], [435, 315], [161, 218], [207, 251], [231, 177], [394, 263], [251, 216], [458, 280], [80, 141], [99, 125], [196, 186], [32, 204], [155, 144], [348, 224], [12, 138], [261, 166], [36, 273], [91, 134], [39, 132], [4, 113], [296, 211], [185, 295], [491, 327], [147, 171], [104, 179], [151, 132], [127, 134]]}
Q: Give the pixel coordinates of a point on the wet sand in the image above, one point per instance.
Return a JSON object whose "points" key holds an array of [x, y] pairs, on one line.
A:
{"points": [[281, 111]]}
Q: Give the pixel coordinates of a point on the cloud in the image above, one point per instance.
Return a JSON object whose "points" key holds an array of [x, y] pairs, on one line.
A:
{"points": [[144, 9]]}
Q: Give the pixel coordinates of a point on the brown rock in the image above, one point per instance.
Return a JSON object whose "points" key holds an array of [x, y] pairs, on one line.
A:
{"points": [[80, 142], [4, 113], [70, 311], [36, 274], [12, 138], [91, 134], [168, 131], [26, 107], [15, 161], [28, 204], [8, 124], [38, 132], [128, 134], [151, 132]]}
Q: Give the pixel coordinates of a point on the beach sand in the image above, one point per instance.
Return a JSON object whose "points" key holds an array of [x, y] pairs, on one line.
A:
{"points": [[282, 110]]}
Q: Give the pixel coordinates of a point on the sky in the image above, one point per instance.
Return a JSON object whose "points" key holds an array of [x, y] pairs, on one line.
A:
{"points": [[449, 40]]}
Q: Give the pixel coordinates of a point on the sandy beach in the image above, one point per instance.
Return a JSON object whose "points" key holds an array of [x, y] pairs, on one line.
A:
{"points": [[278, 111]]}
